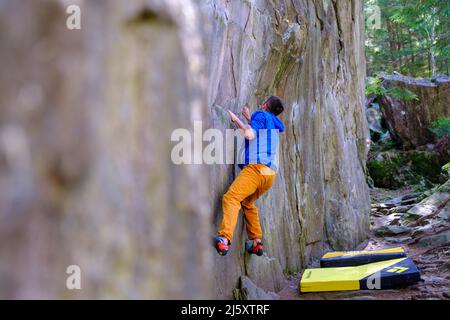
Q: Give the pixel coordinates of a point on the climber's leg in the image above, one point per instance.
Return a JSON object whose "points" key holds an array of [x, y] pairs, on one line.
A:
{"points": [[250, 210], [254, 231], [246, 183], [251, 214]]}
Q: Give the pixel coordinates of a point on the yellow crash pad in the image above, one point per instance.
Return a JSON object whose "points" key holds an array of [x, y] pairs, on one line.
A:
{"points": [[390, 274], [356, 258]]}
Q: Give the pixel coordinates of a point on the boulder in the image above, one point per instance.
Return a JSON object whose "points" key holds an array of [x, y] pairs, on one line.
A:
{"points": [[444, 214], [401, 209], [432, 204], [249, 291], [429, 205], [392, 230], [398, 239], [435, 240], [374, 117], [409, 120]]}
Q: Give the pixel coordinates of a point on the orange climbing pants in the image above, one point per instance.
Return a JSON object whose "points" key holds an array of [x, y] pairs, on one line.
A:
{"points": [[252, 182]]}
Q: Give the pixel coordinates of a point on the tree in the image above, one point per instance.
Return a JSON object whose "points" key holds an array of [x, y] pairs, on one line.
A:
{"points": [[412, 37]]}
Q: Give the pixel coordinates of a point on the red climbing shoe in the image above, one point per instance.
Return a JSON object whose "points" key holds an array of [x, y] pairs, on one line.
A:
{"points": [[254, 249], [222, 245]]}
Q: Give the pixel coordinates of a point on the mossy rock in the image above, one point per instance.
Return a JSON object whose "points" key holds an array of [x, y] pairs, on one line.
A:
{"points": [[444, 187], [427, 164], [394, 169], [383, 174], [446, 168]]}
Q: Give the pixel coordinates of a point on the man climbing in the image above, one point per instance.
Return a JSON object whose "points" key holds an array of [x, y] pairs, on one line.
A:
{"points": [[257, 176]]}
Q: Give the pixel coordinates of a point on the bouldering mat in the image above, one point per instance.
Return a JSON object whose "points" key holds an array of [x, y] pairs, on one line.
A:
{"points": [[357, 258], [378, 275]]}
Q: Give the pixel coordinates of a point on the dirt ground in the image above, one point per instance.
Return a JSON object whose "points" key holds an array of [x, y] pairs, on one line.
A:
{"points": [[433, 263]]}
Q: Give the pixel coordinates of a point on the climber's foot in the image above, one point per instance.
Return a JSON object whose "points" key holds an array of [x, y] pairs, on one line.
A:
{"points": [[254, 247], [222, 245]]}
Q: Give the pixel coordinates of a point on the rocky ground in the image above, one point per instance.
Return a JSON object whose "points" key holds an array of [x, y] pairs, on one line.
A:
{"points": [[416, 221]]}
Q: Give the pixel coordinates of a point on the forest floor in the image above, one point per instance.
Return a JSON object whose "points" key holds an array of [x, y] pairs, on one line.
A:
{"points": [[431, 257]]}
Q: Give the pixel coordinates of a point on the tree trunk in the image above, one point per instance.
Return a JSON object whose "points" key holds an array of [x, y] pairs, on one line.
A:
{"points": [[433, 43]]}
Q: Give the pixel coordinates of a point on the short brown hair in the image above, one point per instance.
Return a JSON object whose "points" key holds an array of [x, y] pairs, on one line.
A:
{"points": [[275, 105]]}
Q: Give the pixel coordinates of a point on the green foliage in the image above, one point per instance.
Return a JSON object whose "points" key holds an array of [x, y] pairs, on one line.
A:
{"points": [[389, 143], [402, 94], [382, 146], [418, 188], [412, 38], [374, 87], [446, 167], [444, 187], [441, 127]]}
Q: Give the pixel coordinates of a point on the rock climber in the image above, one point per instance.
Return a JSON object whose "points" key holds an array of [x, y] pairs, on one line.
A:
{"points": [[259, 168]]}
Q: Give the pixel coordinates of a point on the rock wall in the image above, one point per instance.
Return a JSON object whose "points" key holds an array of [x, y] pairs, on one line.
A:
{"points": [[85, 124], [311, 54]]}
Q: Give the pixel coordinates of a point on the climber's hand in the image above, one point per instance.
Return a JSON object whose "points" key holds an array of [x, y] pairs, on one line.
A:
{"points": [[246, 112], [246, 130], [233, 117]]}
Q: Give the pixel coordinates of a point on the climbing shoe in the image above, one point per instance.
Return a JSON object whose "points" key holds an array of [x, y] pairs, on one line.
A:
{"points": [[222, 245], [254, 249]]}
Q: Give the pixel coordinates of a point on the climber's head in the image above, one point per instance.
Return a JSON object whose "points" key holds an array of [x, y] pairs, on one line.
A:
{"points": [[273, 105]]}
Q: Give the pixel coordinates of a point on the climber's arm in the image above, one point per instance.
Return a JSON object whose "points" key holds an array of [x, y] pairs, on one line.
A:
{"points": [[246, 130]]}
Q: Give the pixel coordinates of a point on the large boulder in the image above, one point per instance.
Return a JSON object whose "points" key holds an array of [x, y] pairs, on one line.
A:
{"points": [[409, 120], [433, 204]]}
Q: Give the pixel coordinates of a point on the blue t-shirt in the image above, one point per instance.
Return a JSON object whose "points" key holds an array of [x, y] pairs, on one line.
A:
{"points": [[263, 149]]}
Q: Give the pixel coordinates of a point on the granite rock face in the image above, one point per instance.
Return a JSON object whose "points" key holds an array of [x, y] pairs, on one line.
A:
{"points": [[85, 124], [310, 53]]}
